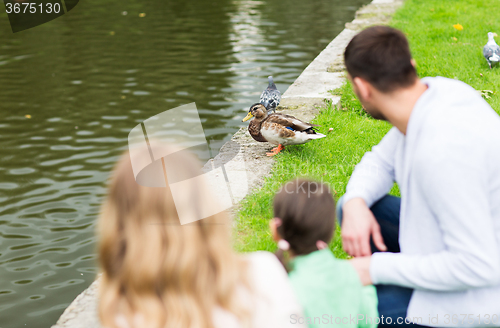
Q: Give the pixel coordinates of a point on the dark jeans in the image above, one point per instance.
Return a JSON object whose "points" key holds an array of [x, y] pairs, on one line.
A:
{"points": [[392, 300]]}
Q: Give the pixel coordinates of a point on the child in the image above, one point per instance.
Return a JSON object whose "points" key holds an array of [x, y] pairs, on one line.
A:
{"points": [[328, 288]]}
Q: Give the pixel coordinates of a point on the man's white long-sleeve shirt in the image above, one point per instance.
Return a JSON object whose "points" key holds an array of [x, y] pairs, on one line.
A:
{"points": [[448, 169]]}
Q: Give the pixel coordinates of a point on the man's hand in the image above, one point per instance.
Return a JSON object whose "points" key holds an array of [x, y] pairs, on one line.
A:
{"points": [[358, 224], [362, 267]]}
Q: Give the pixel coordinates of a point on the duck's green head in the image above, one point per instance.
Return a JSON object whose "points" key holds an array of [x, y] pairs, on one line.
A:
{"points": [[257, 110]]}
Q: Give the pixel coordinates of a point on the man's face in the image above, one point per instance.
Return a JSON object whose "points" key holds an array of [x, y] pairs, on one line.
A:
{"points": [[369, 106]]}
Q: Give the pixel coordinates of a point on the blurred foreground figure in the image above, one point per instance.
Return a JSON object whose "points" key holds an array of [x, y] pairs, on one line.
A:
{"points": [[159, 273]]}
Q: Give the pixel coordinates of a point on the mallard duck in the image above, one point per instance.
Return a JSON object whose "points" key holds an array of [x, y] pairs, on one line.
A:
{"points": [[279, 129], [491, 50], [271, 96]]}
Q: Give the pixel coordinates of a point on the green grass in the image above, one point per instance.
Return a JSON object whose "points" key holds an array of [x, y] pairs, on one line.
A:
{"points": [[330, 160], [438, 48]]}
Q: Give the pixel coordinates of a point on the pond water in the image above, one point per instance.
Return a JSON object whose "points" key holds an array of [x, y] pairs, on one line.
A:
{"points": [[72, 89]]}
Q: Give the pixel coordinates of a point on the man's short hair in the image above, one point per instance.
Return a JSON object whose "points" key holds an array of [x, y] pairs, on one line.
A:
{"points": [[381, 55]]}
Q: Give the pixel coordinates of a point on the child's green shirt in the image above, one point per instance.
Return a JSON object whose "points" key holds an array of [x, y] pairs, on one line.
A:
{"points": [[331, 293]]}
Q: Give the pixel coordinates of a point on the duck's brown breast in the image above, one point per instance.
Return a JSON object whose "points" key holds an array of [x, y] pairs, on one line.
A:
{"points": [[254, 130]]}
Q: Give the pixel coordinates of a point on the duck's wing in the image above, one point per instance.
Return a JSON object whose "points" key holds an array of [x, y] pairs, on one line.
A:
{"points": [[276, 130], [278, 134], [289, 121]]}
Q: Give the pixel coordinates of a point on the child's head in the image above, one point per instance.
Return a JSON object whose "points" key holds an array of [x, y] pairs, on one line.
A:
{"points": [[304, 212]]}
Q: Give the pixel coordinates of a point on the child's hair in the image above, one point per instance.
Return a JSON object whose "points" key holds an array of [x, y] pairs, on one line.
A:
{"points": [[306, 209]]}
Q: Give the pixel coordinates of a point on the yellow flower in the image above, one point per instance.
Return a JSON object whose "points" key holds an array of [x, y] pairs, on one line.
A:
{"points": [[458, 27], [27, 116], [142, 15]]}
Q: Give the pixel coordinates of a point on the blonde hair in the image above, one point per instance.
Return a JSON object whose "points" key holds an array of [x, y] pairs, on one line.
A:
{"points": [[156, 272]]}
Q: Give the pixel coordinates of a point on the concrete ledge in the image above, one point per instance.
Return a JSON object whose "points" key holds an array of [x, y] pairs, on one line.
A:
{"points": [[302, 99], [82, 312]]}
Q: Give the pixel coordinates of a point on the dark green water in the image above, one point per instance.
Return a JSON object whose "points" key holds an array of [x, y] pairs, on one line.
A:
{"points": [[89, 77]]}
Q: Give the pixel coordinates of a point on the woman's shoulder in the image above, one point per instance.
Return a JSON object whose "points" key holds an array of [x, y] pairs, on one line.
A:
{"points": [[276, 304], [260, 255], [263, 260], [266, 271]]}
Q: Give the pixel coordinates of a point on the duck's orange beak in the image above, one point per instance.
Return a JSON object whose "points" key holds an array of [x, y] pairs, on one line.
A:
{"points": [[249, 116]]}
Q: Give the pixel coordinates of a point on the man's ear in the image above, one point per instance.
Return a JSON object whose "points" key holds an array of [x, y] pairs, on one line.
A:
{"points": [[274, 230], [413, 62], [363, 88]]}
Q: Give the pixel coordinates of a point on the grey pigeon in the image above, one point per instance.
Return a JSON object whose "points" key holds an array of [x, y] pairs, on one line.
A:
{"points": [[491, 50], [271, 96]]}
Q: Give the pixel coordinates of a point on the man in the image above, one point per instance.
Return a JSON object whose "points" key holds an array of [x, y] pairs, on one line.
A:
{"points": [[443, 268]]}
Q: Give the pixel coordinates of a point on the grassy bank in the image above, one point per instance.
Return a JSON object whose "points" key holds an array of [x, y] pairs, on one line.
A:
{"points": [[438, 48], [330, 160]]}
